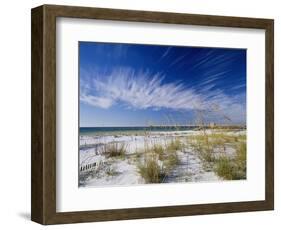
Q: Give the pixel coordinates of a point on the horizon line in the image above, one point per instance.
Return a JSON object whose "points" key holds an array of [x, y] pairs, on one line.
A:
{"points": [[131, 126]]}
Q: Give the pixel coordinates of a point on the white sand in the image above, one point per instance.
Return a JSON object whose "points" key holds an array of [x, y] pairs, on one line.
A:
{"points": [[109, 171]]}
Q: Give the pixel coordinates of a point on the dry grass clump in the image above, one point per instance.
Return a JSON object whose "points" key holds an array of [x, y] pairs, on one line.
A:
{"points": [[232, 168], [154, 170], [241, 157], [171, 161], [114, 150], [174, 145], [207, 156], [203, 146], [158, 149], [207, 142], [242, 137], [159, 161], [151, 169], [219, 139], [227, 167]]}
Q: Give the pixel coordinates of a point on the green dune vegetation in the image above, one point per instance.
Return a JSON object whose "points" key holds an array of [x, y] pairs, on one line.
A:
{"points": [[203, 154], [220, 150], [213, 149]]}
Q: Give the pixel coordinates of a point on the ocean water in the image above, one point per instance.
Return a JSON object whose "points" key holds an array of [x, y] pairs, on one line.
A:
{"points": [[95, 131]]}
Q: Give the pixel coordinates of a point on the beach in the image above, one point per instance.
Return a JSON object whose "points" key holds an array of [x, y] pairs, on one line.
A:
{"points": [[137, 157]]}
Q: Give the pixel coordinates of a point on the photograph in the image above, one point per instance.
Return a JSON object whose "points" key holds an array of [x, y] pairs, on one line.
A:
{"points": [[151, 114]]}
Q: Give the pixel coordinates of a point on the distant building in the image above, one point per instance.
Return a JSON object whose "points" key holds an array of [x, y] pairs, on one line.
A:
{"points": [[212, 124]]}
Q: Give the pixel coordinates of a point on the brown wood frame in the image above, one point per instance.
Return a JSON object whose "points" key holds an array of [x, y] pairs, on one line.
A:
{"points": [[43, 160]]}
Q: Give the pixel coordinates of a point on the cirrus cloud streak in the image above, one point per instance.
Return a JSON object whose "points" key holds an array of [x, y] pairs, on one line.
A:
{"points": [[147, 90]]}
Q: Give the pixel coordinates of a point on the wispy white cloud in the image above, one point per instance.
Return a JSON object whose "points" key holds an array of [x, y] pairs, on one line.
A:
{"points": [[212, 77], [101, 102], [166, 52], [144, 90], [177, 60], [239, 86]]}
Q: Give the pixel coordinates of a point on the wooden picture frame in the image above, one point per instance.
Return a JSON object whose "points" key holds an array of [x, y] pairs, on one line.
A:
{"points": [[43, 188]]}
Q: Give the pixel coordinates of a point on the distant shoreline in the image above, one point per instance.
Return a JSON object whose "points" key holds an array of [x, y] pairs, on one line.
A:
{"points": [[160, 126], [143, 129]]}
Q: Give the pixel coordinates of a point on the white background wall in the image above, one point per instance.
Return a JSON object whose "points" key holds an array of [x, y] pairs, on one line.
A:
{"points": [[15, 113]]}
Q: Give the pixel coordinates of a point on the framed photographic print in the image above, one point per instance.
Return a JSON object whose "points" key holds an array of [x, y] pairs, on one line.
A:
{"points": [[141, 114]]}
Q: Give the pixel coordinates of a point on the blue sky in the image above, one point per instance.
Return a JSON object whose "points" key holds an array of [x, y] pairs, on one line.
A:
{"points": [[139, 85]]}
